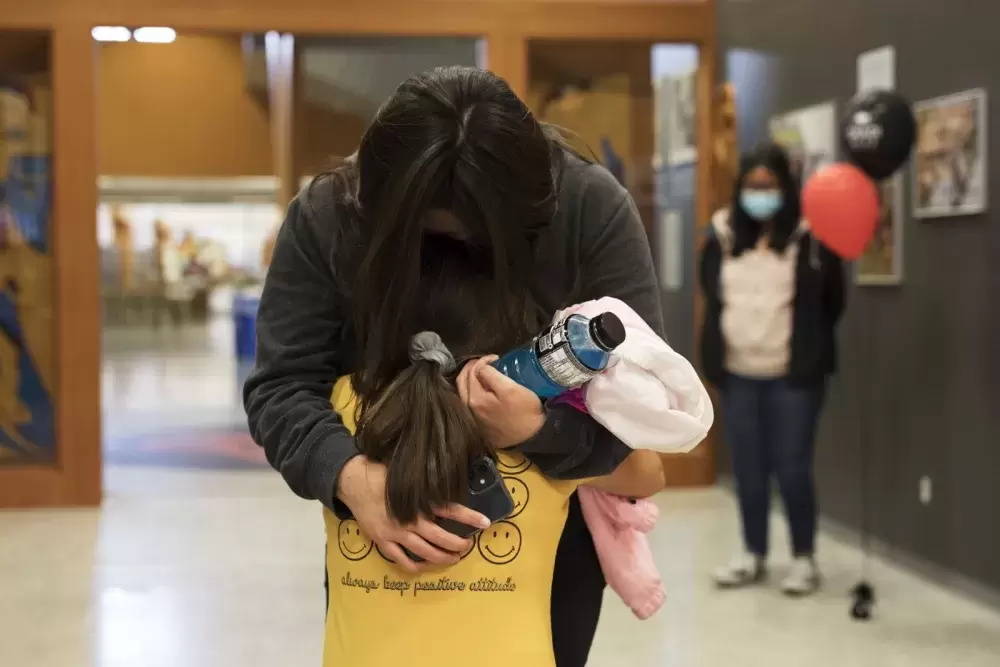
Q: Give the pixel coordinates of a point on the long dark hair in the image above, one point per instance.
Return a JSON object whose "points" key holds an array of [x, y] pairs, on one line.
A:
{"points": [[417, 425], [458, 141], [746, 230]]}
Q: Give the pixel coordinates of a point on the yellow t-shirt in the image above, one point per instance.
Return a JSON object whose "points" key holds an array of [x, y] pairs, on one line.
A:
{"points": [[491, 609]]}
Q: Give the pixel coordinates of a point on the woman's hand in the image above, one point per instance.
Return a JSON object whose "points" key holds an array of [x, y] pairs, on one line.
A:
{"points": [[508, 413], [362, 488]]}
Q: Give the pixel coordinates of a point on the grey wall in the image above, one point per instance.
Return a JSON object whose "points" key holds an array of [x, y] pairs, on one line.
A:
{"points": [[920, 362]]}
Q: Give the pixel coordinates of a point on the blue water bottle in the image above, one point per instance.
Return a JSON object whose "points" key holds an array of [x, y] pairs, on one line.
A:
{"points": [[564, 356]]}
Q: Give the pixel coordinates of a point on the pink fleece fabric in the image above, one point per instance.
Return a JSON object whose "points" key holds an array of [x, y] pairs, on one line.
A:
{"points": [[619, 526]]}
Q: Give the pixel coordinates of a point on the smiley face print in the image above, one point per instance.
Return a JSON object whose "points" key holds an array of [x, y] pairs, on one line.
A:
{"points": [[518, 493], [512, 464], [500, 543], [353, 543]]}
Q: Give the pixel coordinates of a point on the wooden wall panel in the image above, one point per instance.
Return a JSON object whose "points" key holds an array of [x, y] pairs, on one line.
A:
{"points": [[76, 477], [507, 55], [629, 19], [78, 321], [705, 467]]}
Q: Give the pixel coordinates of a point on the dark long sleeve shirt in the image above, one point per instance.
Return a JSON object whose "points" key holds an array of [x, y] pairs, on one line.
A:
{"points": [[596, 246]]}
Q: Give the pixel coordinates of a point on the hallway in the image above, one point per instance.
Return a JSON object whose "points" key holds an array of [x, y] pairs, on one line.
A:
{"points": [[206, 568]]}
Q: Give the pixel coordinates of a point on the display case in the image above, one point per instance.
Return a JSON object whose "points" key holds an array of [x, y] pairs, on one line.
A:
{"points": [[27, 369]]}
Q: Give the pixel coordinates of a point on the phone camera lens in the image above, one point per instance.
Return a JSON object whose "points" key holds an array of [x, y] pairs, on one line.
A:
{"points": [[481, 479]]}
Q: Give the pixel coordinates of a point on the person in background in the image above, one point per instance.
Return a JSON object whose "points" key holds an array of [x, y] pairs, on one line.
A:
{"points": [[774, 296], [452, 152]]}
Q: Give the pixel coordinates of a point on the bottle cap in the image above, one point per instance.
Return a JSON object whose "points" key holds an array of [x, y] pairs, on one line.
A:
{"points": [[607, 330]]}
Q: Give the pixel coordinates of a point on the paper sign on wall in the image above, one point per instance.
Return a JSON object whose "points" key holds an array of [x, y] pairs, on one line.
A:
{"points": [[877, 69], [671, 251]]}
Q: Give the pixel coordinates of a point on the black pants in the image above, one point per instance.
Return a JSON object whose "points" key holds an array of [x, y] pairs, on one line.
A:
{"points": [[577, 591], [771, 430]]}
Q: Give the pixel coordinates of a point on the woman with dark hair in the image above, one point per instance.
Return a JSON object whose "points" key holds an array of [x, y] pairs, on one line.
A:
{"points": [[773, 297], [453, 153]]}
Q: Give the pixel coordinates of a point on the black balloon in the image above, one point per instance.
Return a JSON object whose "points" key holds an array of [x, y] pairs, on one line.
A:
{"points": [[878, 132]]}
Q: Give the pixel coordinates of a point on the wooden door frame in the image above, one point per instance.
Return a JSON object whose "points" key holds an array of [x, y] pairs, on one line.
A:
{"points": [[506, 25]]}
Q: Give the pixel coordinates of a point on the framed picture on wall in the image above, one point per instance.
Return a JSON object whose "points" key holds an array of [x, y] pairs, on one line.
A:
{"points": [[676, 121], [950, 161], [882, 261], [809, 135]]}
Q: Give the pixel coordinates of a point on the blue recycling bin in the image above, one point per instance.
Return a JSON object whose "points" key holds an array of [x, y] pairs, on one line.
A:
{"points": [[245, 304]]}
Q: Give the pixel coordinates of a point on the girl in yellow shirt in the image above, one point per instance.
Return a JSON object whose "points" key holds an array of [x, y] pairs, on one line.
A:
{"points": [[491, 609]]}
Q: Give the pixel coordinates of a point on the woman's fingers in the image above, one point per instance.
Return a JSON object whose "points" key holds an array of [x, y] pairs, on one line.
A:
{"points": [[479, 394], [438, 537], [463, 380], [463, 515], [419, 546], [395, 553], [494, 381]]}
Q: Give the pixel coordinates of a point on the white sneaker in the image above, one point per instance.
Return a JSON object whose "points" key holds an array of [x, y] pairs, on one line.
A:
{"points": [[803, 579], [744, 569]]}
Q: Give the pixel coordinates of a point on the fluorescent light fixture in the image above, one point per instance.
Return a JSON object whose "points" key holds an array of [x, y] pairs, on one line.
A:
{"points": [[155, 35], [111, 33]]}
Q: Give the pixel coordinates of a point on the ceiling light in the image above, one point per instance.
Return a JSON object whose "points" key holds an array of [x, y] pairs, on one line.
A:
{"points": [[111, 33], [155, 35]]}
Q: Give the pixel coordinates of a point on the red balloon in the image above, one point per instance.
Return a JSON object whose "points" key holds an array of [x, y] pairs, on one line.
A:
{"points": [[842, 206]]}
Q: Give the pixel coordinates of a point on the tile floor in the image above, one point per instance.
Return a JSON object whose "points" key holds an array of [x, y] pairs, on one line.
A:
{"points": [[156, 380], [208, 568], [212, 568]]}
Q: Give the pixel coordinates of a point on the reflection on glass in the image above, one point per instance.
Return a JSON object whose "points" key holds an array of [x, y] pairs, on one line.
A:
{"points": [[347, 79], [189, 206]]}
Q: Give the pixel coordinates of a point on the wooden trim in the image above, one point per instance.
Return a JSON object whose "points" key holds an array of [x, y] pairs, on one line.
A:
{"points": [[703, 213], [696, 468], [507, 55], [690, 22], [77, 258], [578, 19], [30, 486], [76, 477]]}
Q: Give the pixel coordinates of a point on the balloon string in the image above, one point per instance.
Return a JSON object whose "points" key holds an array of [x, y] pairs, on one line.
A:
{"points": [[864, 436]]}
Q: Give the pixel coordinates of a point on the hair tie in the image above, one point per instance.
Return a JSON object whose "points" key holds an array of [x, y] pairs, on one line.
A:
{"points": [[428, 346]]}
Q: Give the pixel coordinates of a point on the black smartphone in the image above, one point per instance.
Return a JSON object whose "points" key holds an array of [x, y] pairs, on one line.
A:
{"points": [[487, 495]]}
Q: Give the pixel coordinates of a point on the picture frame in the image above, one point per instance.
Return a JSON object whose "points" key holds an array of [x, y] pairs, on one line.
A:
{"points": [[675, 119], [950, 166], [808, 135], [881, 264]]}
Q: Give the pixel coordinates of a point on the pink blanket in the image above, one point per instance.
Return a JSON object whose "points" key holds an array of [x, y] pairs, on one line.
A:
{"points": [[619, 526]]}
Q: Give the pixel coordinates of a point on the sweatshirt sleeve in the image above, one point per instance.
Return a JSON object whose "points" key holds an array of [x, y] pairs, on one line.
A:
{"points": [[834, 294], [299, 357], [615, 261]]}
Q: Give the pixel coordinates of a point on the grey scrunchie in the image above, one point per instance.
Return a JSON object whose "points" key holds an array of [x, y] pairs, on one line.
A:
{"points": [[428, 346]]}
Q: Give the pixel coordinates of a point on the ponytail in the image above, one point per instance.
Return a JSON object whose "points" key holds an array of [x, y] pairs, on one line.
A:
{"points": [[423, 432]]}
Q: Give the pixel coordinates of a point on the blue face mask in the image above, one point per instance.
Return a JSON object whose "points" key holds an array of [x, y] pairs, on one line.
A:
{"points": [[761, 204]]}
